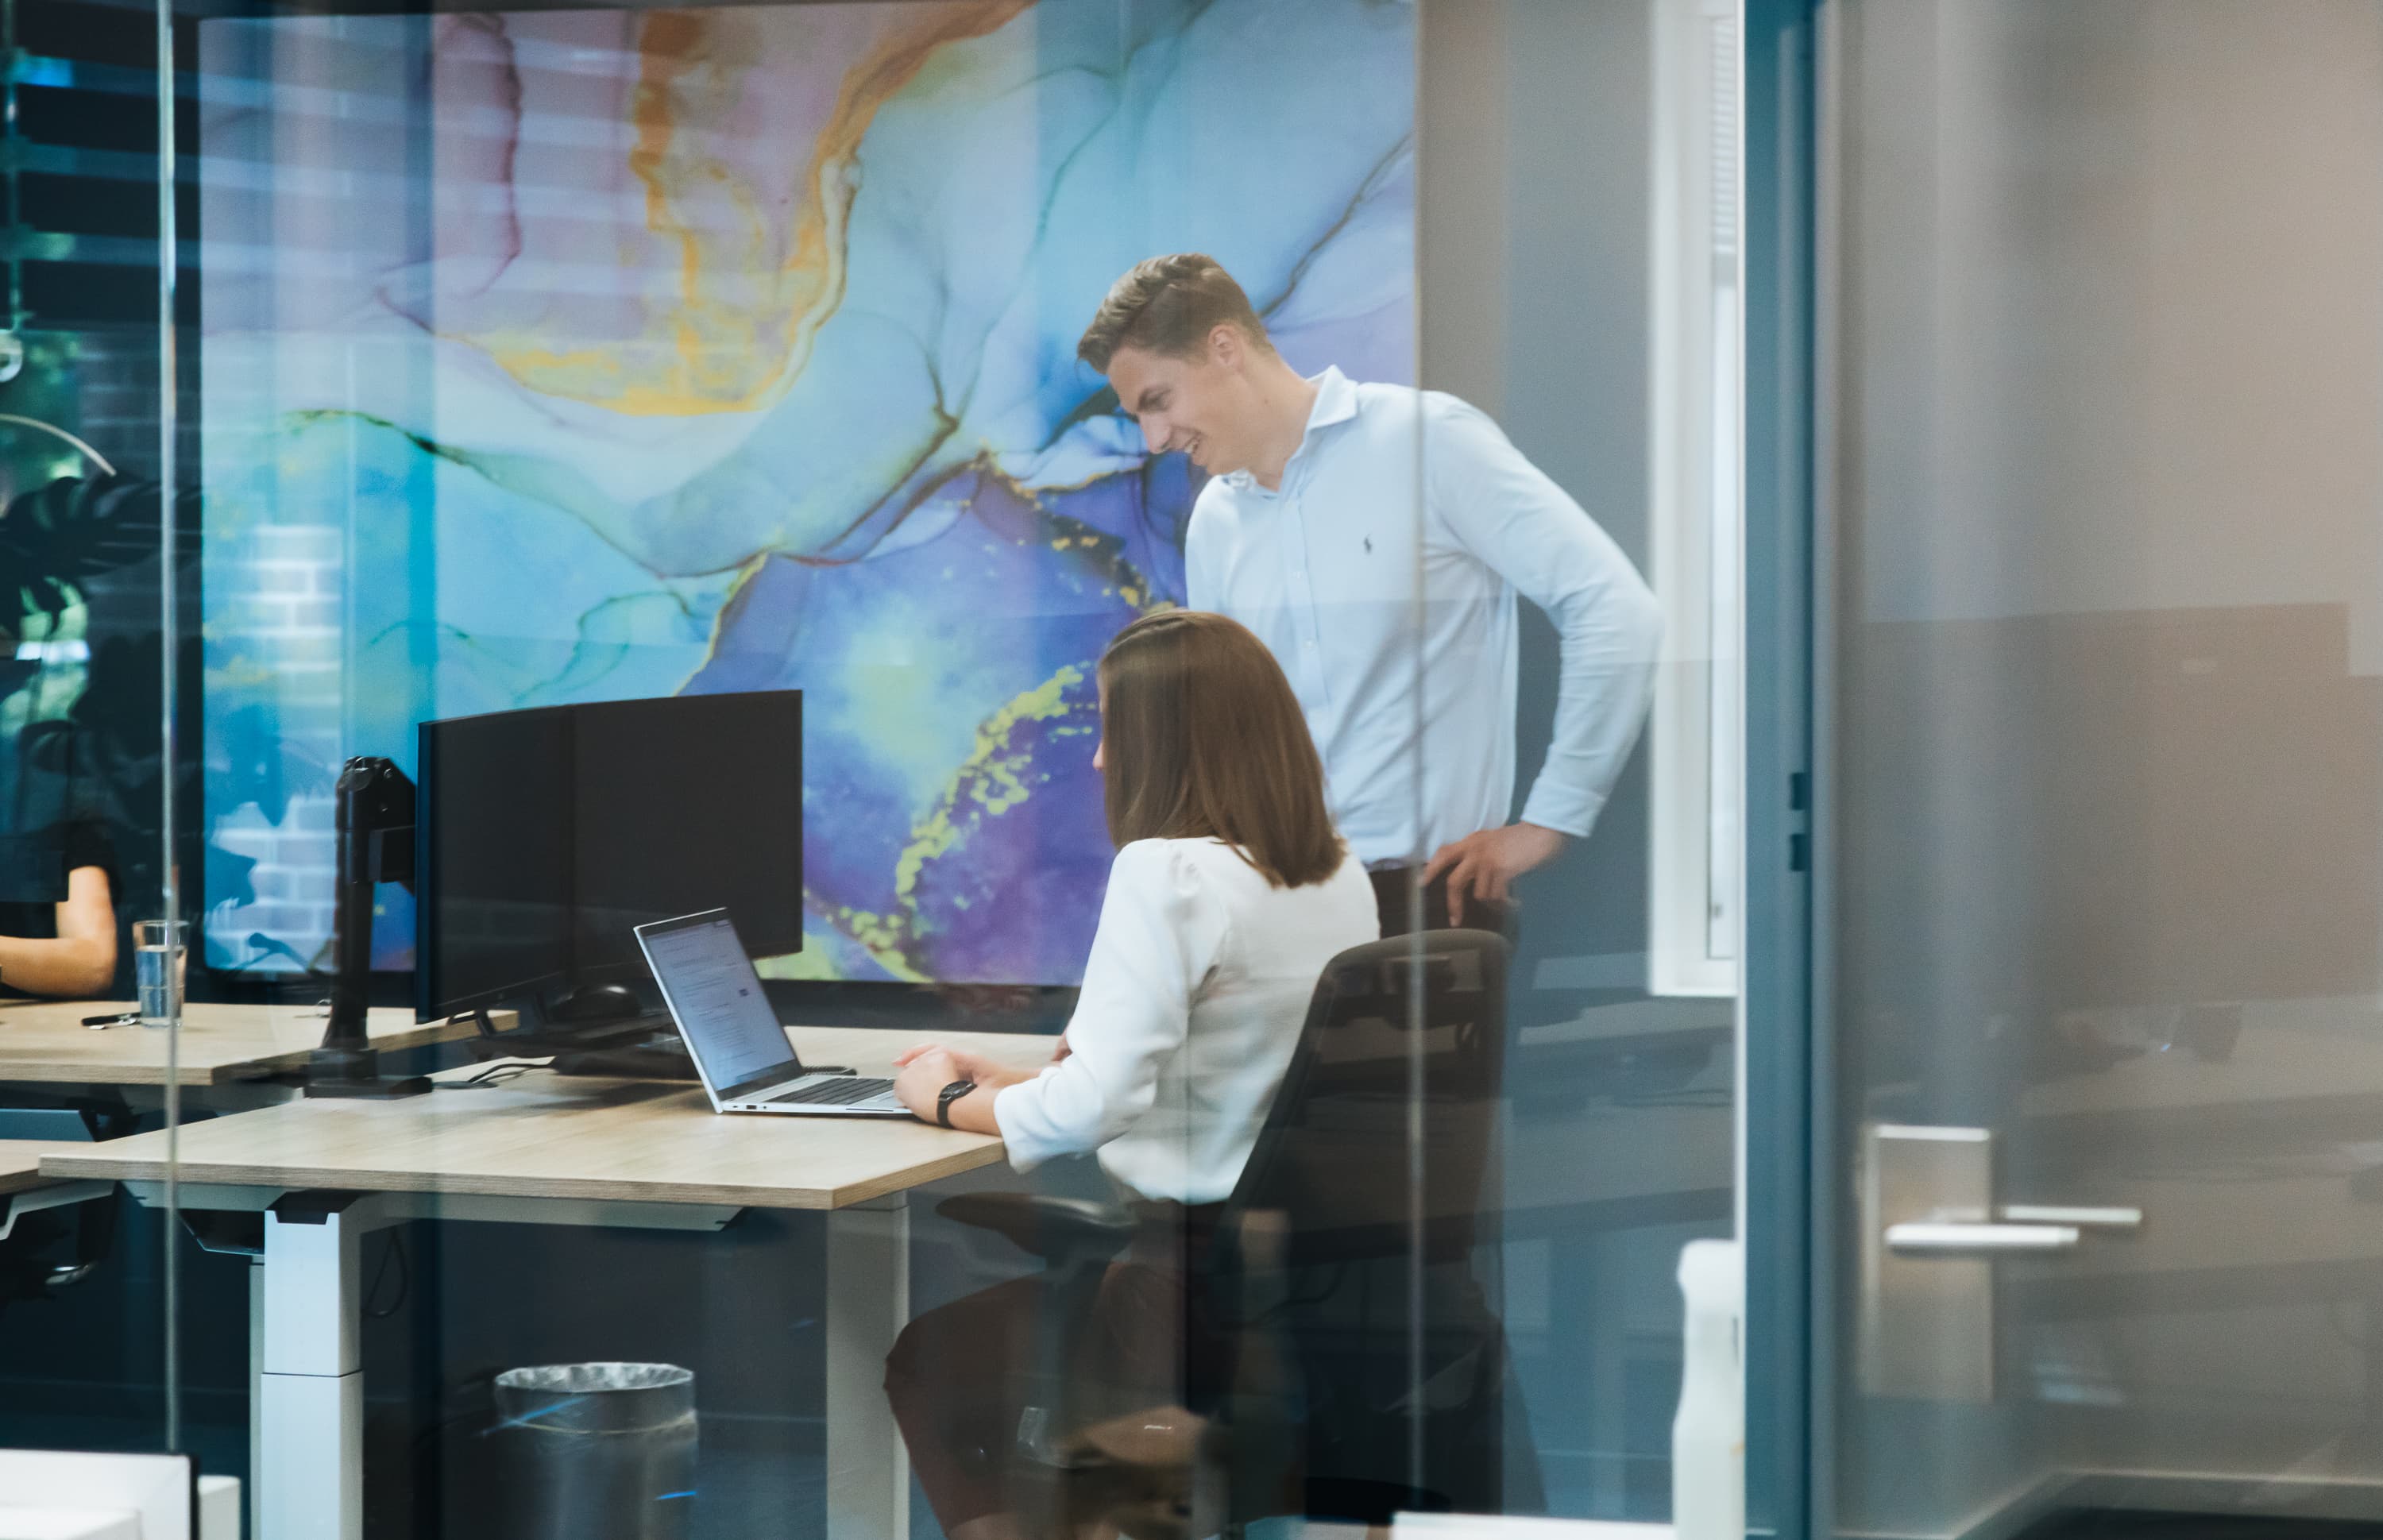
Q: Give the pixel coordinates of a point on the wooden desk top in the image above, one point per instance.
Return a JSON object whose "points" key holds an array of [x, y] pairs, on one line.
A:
{"points": [[45, 1041], [21, 1161], [551, 1136]]}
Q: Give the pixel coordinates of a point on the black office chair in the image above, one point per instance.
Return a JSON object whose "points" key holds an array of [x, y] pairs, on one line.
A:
{"points": [[47, 1251], [1361, 1371]]}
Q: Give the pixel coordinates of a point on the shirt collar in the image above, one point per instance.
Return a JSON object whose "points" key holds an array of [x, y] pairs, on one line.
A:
{"points": [[1335, 401]]}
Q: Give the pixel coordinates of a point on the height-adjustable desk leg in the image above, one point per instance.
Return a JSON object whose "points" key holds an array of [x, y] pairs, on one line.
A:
{"points": [[310, 1383], [867, 1304]]}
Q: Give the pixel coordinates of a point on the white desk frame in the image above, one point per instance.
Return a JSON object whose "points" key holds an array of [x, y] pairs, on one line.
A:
{"points": [[15, 1205], [305, 1306]]}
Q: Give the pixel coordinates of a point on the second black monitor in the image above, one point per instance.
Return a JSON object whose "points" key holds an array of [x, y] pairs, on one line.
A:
{"points": [[546, 836]]}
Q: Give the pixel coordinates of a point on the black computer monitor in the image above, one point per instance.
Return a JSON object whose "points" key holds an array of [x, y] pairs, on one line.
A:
{"points": [[546, 836]]}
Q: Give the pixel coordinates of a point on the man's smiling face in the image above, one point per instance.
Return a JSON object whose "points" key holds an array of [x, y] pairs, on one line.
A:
{"points": [[1203, 406]]}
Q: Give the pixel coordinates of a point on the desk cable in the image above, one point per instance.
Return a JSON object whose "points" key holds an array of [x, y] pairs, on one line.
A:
{"points": [[496, 1074]]}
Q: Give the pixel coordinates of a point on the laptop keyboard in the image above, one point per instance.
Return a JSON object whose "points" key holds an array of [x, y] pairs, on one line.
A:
{"points": [[841, 1091]]}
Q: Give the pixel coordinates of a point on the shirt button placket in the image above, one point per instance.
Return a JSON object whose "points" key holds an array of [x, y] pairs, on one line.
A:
{"points": [[1303, 587]]}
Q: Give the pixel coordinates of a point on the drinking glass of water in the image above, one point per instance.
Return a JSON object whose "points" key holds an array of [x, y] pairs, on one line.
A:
{"points": [[157, 965]]}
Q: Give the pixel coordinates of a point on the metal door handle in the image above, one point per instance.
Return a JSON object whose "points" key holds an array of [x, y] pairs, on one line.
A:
{"points": [[2083, 1219], [1930, 1233], [1954, 1237], [2018, 1229]]}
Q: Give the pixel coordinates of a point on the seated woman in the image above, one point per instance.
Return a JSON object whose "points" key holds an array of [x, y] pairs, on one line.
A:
{"points": [[1230, 892], [57, 933]]}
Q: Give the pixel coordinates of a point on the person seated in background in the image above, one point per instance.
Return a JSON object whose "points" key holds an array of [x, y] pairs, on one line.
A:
{"points": [[58, 919], [1230, 891]]}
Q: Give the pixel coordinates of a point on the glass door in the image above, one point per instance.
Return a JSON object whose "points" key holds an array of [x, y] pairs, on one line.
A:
{"points": [[2097, 815]]}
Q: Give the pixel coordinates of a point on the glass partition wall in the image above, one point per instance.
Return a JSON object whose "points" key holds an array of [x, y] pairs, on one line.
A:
{"points": [[2096, 845], [95, 551], [665, 488], [1577, 279]]}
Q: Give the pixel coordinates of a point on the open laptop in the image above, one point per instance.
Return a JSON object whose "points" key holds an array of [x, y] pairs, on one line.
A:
{"points": [[732, 1034]]}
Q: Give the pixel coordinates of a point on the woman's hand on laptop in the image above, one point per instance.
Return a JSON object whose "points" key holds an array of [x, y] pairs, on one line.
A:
{"points": [[971, 1065], [922, 1073]]}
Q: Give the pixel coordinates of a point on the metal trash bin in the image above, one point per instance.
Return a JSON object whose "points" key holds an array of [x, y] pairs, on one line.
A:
{"points": [[597, 1451]]}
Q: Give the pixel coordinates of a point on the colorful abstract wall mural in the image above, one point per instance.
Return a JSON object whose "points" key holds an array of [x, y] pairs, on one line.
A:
{"points": [[576, 355]]}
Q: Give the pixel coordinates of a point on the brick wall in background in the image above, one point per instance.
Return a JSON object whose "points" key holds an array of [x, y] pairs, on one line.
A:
{"points": [[279, 608]]}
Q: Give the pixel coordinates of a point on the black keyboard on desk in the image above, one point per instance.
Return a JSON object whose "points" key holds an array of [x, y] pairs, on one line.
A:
{"points": [[840, 1091]]}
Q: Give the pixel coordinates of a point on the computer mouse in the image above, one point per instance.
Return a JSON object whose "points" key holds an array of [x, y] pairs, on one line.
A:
{"points": [[596, 1002]]}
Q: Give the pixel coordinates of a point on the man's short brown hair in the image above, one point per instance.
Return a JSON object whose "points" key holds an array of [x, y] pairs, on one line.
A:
{"points": [[1168, 305]]}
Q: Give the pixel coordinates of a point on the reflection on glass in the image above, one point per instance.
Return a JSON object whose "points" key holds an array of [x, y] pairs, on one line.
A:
{"points": [[86, 1329], [556, 364]]}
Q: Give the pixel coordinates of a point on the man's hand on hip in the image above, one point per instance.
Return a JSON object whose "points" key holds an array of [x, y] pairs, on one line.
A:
{"points": [[1482, 865]]}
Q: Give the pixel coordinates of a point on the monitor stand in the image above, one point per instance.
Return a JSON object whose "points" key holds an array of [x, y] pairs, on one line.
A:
{"points": [[375, 828]]}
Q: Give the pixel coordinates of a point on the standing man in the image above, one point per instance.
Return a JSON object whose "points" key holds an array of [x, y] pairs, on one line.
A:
{"points": [[1374, 536]]}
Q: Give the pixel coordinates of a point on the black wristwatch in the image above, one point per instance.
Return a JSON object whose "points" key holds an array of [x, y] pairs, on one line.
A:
{"points": [[948, 1095]]}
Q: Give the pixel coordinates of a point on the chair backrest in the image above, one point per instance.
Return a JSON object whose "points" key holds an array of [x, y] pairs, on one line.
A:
{"points": [[1384, 1130], [1378, 1152]]}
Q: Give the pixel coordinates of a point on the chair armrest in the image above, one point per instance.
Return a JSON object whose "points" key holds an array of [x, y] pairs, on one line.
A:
{"points": [[1058, 1230]]}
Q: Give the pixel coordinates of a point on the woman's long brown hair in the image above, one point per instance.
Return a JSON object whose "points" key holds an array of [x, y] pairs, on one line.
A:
{"points": [[1201, 738]]}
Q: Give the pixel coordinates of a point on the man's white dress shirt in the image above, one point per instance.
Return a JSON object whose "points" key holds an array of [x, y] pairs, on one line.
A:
{"points": [[1382, 575], [1197, 984]]}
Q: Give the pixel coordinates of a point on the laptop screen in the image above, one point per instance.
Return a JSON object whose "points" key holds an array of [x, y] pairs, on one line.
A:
{"points": [[716, 996]]}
